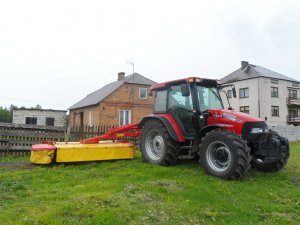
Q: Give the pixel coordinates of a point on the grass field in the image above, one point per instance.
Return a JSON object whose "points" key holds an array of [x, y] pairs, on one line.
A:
{"points": [[133, 192]]}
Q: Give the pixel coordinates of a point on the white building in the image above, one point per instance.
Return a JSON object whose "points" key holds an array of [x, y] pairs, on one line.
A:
{"points": [[41, 117], [265, 94]]}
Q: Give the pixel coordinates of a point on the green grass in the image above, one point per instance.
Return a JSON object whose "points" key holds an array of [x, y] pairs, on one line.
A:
{"points": [[133, 192]]}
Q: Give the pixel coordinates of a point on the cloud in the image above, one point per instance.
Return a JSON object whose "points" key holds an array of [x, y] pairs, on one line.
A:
{"points": [[57, 52]]}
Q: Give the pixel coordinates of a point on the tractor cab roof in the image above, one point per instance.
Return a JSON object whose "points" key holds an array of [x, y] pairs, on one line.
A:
{"points": [[204, 81]]}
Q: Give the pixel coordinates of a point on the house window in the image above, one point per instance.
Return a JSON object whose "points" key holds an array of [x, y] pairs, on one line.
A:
{"points": [[49, 121], [275, 110], [244, 92], [245, 109], [124, 117], [274, 91], [229, 93], [295, 84], [90, 119], [274, 81], [292, 93], [293, 112], [31, 120], [143, 93]]}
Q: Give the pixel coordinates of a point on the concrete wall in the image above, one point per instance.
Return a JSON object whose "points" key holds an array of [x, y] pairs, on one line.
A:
{"points": [[260, 100], [290, 132], [19, 116]]}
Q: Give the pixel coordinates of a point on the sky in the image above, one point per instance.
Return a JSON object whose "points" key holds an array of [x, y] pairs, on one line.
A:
{"points": [[54, 53]]}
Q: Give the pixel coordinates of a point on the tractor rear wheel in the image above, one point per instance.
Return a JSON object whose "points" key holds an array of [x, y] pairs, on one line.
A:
{"points": [[224, 154], [156, 145]]}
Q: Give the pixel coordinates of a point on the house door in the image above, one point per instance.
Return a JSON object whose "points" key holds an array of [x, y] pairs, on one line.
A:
{"points": [[81, 118]]}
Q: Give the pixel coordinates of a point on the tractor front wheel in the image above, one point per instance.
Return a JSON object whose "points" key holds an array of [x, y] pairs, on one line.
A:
{"points": [[156, 145], [224, 154], [277, 165]]}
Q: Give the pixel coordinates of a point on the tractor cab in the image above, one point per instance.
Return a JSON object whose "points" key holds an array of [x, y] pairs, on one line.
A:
{"points": [[188, 101]]}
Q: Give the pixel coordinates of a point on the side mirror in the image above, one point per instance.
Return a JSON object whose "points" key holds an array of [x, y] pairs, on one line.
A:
{"points": [[234, 92], [185, 90]]}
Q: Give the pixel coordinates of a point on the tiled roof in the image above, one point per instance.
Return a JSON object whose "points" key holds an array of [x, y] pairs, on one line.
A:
{"points": [[253, 71], [99, 95]]}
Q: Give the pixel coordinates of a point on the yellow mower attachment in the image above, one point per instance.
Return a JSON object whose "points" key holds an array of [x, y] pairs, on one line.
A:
{"points": [[92, 149], [76, 152]]}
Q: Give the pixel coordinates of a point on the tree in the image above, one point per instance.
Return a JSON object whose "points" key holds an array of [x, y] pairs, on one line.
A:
{"points": [[5, 115], [38, 106], [12, 107]]}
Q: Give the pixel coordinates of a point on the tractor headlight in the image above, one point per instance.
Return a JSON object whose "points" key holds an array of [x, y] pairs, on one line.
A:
{"points": [[257, 130]]}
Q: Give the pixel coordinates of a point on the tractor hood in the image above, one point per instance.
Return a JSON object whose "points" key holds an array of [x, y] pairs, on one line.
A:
{"points": [[234, 116], [233, 120]]}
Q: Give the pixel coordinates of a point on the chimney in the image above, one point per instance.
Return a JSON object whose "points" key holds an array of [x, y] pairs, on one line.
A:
{"points": [[121, 75], [244, 64]]}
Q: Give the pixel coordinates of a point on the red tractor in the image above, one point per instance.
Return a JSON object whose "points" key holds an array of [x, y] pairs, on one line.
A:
{"points": [[189, 120]]}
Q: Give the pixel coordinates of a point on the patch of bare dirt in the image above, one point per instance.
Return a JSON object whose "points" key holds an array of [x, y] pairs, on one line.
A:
{"points": [[170, 186], [10, 166]]}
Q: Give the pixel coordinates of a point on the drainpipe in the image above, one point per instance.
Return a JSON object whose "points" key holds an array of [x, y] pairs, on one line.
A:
{"points": [[258, 101]]}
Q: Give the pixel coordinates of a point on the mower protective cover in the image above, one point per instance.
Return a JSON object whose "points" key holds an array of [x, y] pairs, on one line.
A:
{"points": [[106, 150], [42, 153]]}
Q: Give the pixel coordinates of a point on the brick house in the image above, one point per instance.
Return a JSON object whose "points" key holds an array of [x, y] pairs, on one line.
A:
{"points": [[40, 117], [118, 103]]}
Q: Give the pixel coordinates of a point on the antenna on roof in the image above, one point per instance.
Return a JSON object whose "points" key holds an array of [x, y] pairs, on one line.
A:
{"points": [[131, 63], [131, 95]]}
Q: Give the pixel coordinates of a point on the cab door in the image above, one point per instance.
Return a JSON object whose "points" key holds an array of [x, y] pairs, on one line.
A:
{"points": [[180, 106]]}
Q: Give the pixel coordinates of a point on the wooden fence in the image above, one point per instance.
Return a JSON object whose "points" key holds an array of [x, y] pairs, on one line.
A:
{"points": [[77, 133], [17, 139]]}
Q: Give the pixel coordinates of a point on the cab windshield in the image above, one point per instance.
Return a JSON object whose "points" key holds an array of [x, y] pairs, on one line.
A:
{"points": [[208, 98]]}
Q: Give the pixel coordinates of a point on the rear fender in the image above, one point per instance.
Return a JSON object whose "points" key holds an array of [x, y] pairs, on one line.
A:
{"points": [[169, 122]]}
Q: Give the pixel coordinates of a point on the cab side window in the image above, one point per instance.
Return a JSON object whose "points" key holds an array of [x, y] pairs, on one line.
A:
{"points": [[160, 104]]}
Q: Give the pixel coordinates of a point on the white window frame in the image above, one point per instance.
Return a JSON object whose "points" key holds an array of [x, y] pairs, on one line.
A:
{"points": [[274, 94], [292, 93], [245, 109], [90, 118], [229, 93], [275, 110], [245, 92], [143, 88], [122, 117]]}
